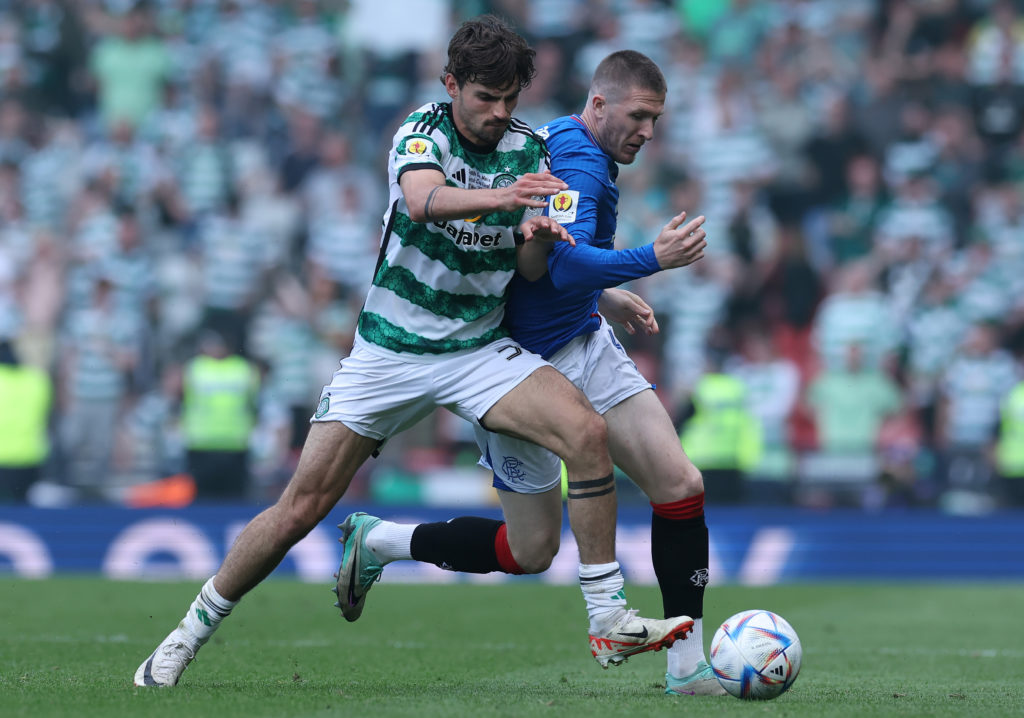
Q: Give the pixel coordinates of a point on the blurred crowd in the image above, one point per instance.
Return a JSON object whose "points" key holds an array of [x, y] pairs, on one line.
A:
{"points": [[191, 194]]}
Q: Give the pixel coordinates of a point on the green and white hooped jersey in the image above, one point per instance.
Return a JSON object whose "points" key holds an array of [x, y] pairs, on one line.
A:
{"points": [[440, 286]]}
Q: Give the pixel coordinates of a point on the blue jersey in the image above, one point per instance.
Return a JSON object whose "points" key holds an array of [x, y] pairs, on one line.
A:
{"points": [[545, 315]]}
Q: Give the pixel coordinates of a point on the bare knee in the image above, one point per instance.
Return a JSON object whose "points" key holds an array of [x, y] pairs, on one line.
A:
{"points": [[537, 557], [693, 481], [683, 484], [587, 443]]}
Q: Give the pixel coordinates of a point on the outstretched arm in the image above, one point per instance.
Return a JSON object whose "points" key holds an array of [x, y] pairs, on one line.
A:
{"points": [[586, 267]]}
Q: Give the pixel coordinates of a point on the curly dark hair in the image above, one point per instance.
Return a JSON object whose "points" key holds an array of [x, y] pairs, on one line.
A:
{"points": [[487, 50]]}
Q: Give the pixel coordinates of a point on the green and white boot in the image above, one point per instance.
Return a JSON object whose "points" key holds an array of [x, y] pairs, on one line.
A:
{"points": [[359, 567], [701, 682]]}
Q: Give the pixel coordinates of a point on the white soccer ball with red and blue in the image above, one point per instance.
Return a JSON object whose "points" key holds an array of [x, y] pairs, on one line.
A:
{"points": [[756, 655]]}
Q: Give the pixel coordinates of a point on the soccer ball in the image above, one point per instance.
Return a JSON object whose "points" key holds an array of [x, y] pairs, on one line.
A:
{"points": [[756, 655]]}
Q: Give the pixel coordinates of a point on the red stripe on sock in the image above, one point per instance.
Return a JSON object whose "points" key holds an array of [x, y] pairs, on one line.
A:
{"points": [[504, 552], [690, 508]]}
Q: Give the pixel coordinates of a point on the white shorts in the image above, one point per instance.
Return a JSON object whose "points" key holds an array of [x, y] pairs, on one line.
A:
{"points": [[377, 393], [600, 367]]}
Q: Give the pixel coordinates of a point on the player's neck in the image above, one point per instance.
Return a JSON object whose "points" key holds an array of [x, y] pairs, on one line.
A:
{"points": [[591, 125]]}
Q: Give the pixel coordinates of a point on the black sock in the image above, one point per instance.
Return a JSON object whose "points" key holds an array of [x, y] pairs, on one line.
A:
{"points": [[463, 544], [679, 552]]}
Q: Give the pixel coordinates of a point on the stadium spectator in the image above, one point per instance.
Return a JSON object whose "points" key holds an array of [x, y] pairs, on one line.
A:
{"points": [[203, 170], [721, 435], [854, 215], [855, 312], [850, 403], [24, 424], [14, 148], [995, 45], [100, 351], [772, 388], [307, 59], [219, 398], [342, 240], [149, 445], [1009, 452], [935, 328], [903, 463], [433, 348], [43, 299], [692, 307], [236, 46], [234, 257], [129, 69], [973, 388], [789, 291], [338, 168]]}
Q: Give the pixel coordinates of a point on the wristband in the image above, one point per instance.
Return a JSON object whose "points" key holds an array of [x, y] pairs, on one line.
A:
{"points": [[518, 237]]}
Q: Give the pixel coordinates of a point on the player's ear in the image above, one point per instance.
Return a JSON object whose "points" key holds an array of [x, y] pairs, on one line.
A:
{"points": [[598, 103], [451, 85]]}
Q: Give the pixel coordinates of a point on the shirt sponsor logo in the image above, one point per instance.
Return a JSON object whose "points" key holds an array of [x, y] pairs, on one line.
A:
{"points": [[463, 236], [562, 206]]}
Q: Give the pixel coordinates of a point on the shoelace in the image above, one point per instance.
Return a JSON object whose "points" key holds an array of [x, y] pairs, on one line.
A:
{"points": [[629, 614], [369, 576], [174, 653]]}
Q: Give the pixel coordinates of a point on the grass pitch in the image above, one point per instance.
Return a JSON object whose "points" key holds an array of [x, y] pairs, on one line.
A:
{"points": [[69, 646]]}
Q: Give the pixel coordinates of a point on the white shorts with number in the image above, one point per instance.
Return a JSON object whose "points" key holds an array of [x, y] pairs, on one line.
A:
{"points": [[378, 393], [600, 367]]}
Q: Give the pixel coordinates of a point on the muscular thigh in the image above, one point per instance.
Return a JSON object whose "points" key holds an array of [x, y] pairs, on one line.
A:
{"points": [[644, 444], [330, 457], [545, 408]]}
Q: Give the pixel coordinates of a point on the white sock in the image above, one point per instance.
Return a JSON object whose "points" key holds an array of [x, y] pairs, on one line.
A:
{"points": [[603, 589], [206, 613], [390, 541], [683, 656]]}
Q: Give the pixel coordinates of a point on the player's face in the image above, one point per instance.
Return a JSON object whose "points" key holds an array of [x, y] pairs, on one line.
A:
{"points": [[625, 124], [482, 114]]}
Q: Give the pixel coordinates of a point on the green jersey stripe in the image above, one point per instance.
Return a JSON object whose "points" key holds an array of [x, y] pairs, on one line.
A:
{"points": [[377, 329], [467, 307]]}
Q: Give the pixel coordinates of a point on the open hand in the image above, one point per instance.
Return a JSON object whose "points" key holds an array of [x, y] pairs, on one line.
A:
{"points": [[545, 229], [531, 190], [680, 244]]}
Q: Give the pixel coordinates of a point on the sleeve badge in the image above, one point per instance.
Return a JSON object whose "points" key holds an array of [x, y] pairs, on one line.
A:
{"points": [[562, 206]]}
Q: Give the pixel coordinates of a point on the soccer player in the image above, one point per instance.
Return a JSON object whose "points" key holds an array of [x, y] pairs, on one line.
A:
{"points": [[556, 315], [430, 335]]}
